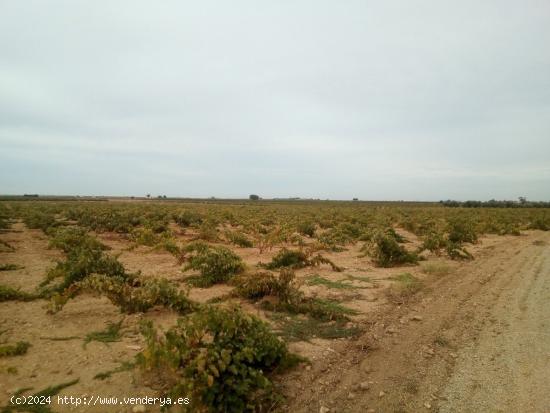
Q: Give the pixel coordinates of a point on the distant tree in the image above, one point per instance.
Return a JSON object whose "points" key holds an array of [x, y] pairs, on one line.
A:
{"points": [[148, 195], [522, 200], [356, 199], [254, 197]]}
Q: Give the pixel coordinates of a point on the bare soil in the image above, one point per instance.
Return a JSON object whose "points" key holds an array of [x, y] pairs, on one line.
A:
{"points": [[476, 339]]}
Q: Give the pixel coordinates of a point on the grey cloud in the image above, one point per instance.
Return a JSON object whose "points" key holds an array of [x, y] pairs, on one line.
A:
{"points": [[382, 100]]}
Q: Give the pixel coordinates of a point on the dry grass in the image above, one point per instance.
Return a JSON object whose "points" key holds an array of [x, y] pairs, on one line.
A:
{"points": [[436, 268]]}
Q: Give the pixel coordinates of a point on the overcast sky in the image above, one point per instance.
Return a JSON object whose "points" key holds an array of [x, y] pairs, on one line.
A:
{"points": [[414, 100]]}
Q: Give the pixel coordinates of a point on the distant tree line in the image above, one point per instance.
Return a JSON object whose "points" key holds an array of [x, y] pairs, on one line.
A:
{"points": [[520, 203]]}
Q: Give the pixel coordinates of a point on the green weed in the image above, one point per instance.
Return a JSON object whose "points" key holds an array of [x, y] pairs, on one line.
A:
{"points": [[238, 238], [12, 294], [10, 267], [110, 335], [18, 349], [124, 366], [296, 259], [137, 295], [338, 285], [405, 286], [293, 328], [387, 252], [216, 264]]}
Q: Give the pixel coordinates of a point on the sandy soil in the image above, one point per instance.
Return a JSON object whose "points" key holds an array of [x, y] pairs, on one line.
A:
{"points": [[476, 339]]}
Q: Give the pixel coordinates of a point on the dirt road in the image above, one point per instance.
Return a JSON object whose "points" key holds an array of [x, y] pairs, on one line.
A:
{"points": [[476, 340]]}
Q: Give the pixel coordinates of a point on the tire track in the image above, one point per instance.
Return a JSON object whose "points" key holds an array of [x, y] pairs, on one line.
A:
{"points": [[482, 344], [506, 370]]}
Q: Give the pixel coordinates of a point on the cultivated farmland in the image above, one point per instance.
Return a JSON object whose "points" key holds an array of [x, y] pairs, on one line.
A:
{"points": [[242, 305]]}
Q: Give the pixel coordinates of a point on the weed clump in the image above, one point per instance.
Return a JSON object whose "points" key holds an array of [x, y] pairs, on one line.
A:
{"points": [[325, 310], [84, 256], [12, 294], [238, 238], [220, 358], [18, 349], [306, 228], [10, 267], [68, 239], [461, 230], [40, 220], [288, 258], [216, 264], [110, 335], [124, 366], [80, 263], [289, 298], [130, 295], [335, 239], [438, 269], [540, 222], [296, 259], [434, 242], [6, 246], [208, 232], [187, 218], [88, 268], [255, 286], [338, 285], [145, 236], [261, 284], [395, 235], [457, 252], [387, 252], [406, 286], [300, 328]]}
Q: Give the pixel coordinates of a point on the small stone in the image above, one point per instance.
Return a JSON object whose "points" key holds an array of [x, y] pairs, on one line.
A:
{"points": [[139, 409], [324, 409], [416, 318], [364, 385], [453, 355], [308, 368], [351, 396], [381, 394], [427, 405]]}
